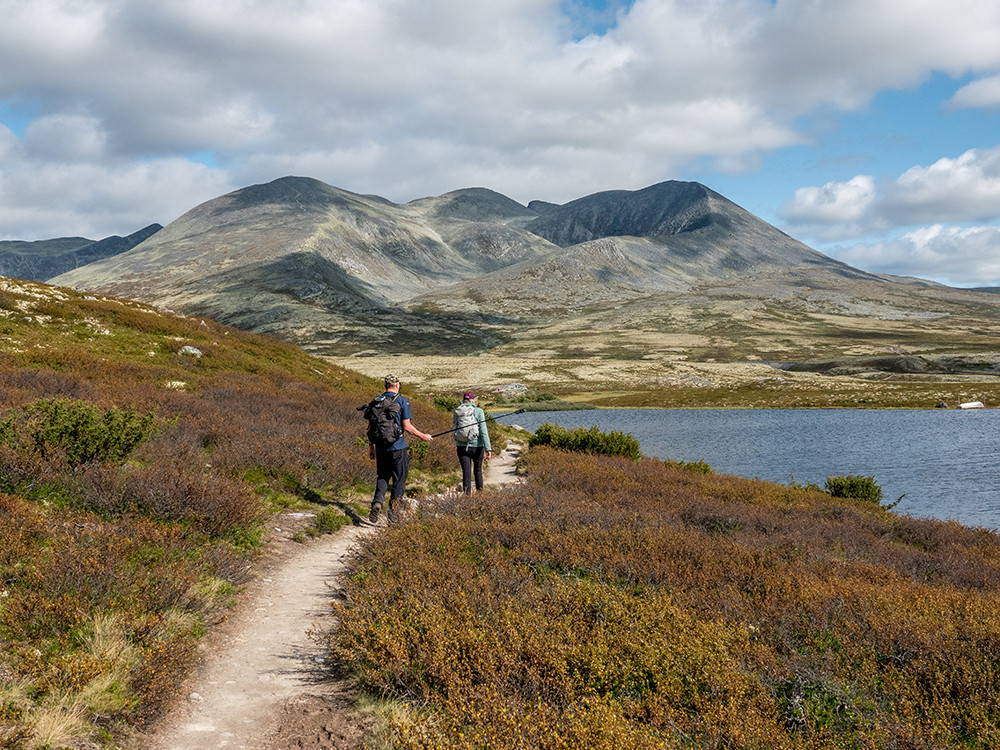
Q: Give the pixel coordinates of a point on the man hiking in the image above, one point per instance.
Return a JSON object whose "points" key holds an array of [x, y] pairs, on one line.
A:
{"points": [[389, 420]]}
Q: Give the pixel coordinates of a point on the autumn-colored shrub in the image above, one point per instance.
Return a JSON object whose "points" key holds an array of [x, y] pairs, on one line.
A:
{"points": [[609, 604], [701, 467], [60, 574]]}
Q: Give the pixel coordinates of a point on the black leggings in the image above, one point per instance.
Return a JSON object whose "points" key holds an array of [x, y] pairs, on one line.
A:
{"points": [[472, 461]]}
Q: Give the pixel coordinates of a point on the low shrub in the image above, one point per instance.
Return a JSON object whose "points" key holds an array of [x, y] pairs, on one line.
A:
{"points": [[699, 467], [857, 487], [447, 403], [530, 397], [587, 440], [77, 430], [330, 520]]}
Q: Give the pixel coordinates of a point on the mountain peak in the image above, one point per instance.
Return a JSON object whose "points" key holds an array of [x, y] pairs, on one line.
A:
{"points": [[473, 204], [662, 209]]}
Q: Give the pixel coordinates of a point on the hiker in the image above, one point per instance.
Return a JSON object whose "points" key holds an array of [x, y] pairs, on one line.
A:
{"points": [[387, 446], [472, 440]]}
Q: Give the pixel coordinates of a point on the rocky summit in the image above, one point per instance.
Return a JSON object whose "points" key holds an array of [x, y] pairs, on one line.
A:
{"points": [[673, 267]]}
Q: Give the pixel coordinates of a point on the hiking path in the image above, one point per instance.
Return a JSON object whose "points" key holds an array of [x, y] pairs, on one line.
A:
{"points": [[262, 681]]}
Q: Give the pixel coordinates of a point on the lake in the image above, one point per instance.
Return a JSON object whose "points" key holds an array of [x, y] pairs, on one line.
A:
{"points": [[945, 461]]}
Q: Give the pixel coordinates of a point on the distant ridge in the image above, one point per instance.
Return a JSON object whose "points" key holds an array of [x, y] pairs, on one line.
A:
{"points": [[473, 270], [42, 259], [473, 204]]}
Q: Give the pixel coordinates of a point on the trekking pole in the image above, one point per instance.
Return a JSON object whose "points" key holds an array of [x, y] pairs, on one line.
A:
{"points": [[488, 419]]}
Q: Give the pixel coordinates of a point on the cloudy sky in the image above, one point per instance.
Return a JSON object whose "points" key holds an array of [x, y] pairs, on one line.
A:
{"points": [[869, 129]]}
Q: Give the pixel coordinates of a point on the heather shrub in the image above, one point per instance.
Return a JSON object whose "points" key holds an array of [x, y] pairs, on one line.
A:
{"points": [[857, 487], [87, 610], [171, 490], [330, 520], [587, 440], [607, 603]]}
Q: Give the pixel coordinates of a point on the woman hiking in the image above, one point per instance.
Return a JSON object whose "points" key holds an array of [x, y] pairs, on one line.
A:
{"points": [[472, 440]]}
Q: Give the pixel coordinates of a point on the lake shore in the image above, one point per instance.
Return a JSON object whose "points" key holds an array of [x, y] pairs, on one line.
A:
{"points": [[670, 381]]}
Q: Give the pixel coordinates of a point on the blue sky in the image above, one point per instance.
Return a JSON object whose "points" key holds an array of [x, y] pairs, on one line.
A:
{"points": [[869, 129]]}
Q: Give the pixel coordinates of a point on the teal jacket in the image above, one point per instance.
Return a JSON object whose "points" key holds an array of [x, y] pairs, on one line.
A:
{"points": [[483, 441]]}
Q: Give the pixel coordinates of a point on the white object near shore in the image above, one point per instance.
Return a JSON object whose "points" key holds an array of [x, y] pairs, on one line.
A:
{"points": [[971, 405]]}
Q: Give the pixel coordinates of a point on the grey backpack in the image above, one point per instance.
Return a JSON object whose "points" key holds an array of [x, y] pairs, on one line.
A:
{"points": [[468, 425]]}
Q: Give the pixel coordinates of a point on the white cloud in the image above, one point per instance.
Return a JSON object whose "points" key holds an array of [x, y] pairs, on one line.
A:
{"points": [[840, 203], [963, 256], [415, 97], [982, 93], [95, 200], [69, 138], [964, 189], [8, 141]]}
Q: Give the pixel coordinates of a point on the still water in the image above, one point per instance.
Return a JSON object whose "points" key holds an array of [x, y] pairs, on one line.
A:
{"points": [[945, 461]]}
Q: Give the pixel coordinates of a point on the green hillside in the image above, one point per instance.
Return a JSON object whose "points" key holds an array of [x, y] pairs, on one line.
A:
{"points": [[135, 478]]}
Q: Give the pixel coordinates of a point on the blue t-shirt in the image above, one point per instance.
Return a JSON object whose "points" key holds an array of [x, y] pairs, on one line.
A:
{"points": [[404, 413]]}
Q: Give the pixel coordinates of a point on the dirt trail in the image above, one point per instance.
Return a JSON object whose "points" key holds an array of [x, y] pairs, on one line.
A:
{"points": [[261, 684], [501, 469]]}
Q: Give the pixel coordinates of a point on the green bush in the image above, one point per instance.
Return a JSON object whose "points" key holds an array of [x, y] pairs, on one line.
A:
{"points": [[447, 403], [699, 467], [330, 520], [587, 440], [78, 430], [529, 397], [858, 487]]}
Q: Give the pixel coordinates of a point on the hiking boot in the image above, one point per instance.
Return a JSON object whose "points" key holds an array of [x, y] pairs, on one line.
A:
{"points": [[373, 515]]}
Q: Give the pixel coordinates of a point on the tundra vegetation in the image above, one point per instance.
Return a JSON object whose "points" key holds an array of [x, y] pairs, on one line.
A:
{"points": [[605, 602], [134, 485], [609, 603]]}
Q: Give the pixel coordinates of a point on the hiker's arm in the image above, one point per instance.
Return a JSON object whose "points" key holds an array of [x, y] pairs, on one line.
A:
{"points": [[485, 434], [408, 427]]}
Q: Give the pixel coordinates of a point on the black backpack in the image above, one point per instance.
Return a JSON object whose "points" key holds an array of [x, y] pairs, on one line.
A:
{"points": [[382, 414]]}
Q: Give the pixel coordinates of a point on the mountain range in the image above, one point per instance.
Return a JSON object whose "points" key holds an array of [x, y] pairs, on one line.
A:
{"points": [[673, 267], [42, 259]]}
